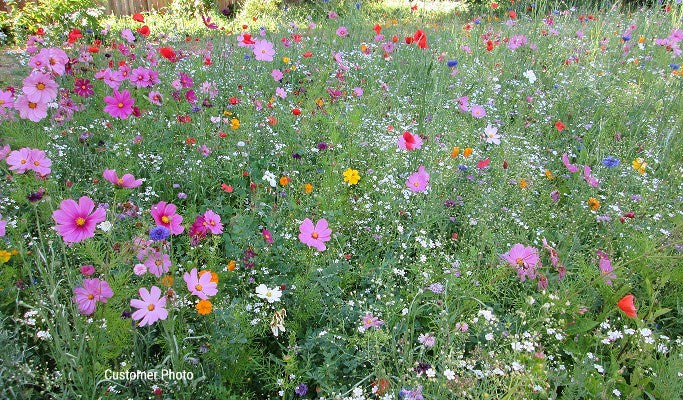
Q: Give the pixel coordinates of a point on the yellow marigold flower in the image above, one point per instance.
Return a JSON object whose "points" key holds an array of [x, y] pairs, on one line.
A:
{"points": [[351, 176], [5, 256], [319, 102], [467, 152], [167, 280], [593, 203], [639, 165], [284, 181], [293, 67], [363, 48], [308, 188], [214, 276], [455, 152], [234, 123], [549, 175], [204, 307], [231, 265], [523, 184], [641, 39], [285, 60]]}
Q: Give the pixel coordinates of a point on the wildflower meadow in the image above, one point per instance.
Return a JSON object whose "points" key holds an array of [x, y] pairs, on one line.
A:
{"points": [[343, 200]]}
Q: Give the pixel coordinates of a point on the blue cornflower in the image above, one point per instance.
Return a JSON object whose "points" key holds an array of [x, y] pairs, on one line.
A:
{"points": [[159, 233], [301, 390], [452, 63], [610, 162]]}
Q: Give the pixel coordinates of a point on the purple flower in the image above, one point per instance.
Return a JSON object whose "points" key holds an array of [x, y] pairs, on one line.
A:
{"points": [[301, 389]]}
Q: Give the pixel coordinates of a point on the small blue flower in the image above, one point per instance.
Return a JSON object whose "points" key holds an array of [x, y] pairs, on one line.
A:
{"points": [[301, 390], [159, 233], [626, 38], [452, 63], [675, 67], [357, 6], [610, 162]]}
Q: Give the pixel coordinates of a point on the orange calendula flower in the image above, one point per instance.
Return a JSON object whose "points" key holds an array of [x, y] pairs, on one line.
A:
{"points": [[308, 188], [5, 256], [234, 124], [231, 265], [523, 184], [468, 152], [167, 280], [284, 181], [593, 203], [549, 175], [204, 307], [455, 152]]}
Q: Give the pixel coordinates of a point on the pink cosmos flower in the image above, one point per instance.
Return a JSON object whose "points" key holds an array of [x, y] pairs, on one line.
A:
{"points": [[165, 215], [408, 141], [140, 77], [555, 260], [19, 160], [6, 101], [40, 88], [524, 258], [315, 236], [119, 105], [200, 286], [571, 167], [53, 59], [263, 50], [478, 111], [150, 306], [39, 162], [77, 221], [155, 97], [92, 291], [587, 176], [342, 31], [605, 265], [277, 74], [126, 181], [158, 263], [29, 109], [370, 321], [4, 152], [3, 225], [418, 181], [212, 222]]}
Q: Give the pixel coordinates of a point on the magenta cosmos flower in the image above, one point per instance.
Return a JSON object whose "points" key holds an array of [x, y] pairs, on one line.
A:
{"points": [[408, 141], [418, 181], [524, 259], [92, 291], [212, 222], [119, 105], [315, 236], [200, 285], [263, 50], [165, 215], [571, 167], [150, 306], [126, 181], [77, 221]]}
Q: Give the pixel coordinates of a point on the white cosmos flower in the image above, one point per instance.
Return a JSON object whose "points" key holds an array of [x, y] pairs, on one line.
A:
{"points": [[530, 76], [272, 295], [491, 135], [270, 178]]}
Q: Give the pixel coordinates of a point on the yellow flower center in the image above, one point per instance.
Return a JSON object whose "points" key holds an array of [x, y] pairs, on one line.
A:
{"points": [[519, 261], [32, 105], [269, 294], [23, 161], [36, 163], [120, 105], [198, 288], [314, 235], [416, 184], [40, 86], [80, 221], [90, 297], [157, 262], [120, 181], [165, 219], [150, 307]]}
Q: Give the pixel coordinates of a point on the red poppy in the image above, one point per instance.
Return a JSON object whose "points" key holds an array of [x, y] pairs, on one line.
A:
{"points": [[234, 101], [560, 126], [138, 17], [308, 54], [394, 38], [93, 49], [222, 134], [377, 28], [168, 53], [484, 163], [296, 111], [296, 38], [626, 305], [413, 8], [40, 32], [421, 38], [246, 39], [409, 40], [512, 14], [489, 45], [143, 30], [74, 35], [227, 188], [494, 5]]}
